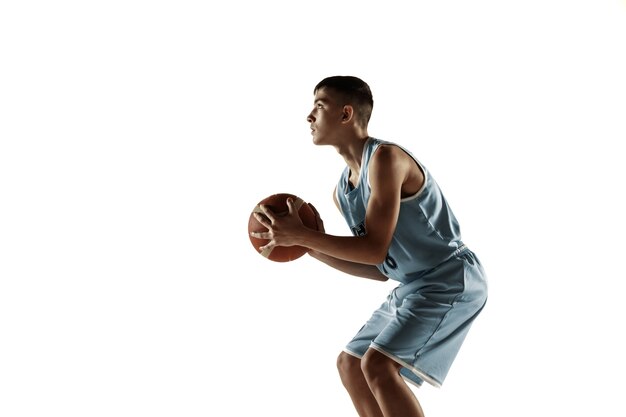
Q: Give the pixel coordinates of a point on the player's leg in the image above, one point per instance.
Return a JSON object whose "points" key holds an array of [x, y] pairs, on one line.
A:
{"points": [[391, 392], [354, 381]]}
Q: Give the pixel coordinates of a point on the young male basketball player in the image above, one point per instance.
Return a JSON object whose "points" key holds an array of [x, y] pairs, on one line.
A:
{"points": [[404, 230]]}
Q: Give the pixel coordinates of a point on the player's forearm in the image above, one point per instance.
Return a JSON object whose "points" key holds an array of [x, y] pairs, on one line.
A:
{"points": [[359, 249], [351, 268]]}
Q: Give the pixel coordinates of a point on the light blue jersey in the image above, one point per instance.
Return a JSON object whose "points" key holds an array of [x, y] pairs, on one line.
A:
{"points": [[427, 233], [443, 287]]}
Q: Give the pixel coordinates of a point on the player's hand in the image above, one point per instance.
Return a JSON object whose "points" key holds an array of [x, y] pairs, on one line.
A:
{"points": [[282, 230]]}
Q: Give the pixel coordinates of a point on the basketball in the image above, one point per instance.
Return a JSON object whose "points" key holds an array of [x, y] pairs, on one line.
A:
{"points": [[278, 204]]}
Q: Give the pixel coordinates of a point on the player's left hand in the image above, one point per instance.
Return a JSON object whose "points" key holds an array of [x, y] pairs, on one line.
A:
{"points": [[282, 230]]}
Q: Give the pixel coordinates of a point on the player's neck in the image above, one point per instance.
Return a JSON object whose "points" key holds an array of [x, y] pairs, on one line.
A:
{"points": [[352, 152]]}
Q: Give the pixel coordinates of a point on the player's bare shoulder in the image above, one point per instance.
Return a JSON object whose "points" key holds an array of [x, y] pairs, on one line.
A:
{"points": [[395, 159]]}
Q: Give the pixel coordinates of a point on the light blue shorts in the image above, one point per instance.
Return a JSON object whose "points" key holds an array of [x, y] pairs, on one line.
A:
{"points": [[423, 323]]}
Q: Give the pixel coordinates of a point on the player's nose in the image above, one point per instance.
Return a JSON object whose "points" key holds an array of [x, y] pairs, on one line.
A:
{"points": [[310, 118]]}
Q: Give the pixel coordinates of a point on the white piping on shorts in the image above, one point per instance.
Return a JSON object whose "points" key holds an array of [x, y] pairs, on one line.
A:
{"points": [[413, 369], [410, 381], [349, 352]]}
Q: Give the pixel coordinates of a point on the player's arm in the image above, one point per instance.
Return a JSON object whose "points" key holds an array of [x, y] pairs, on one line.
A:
{"points": [[388, 170], [348, 267]]}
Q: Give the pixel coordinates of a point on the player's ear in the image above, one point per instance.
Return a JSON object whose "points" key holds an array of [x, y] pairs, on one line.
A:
{"points": [[347, 113]]}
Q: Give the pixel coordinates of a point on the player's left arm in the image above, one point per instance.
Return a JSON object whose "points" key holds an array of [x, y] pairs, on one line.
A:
{"points": [[348, 267], [388, 170]]}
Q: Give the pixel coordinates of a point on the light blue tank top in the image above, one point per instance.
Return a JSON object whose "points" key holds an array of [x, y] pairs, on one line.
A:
{"points": [[427, 232]]}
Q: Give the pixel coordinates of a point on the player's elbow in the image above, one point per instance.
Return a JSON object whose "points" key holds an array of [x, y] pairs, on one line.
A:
{"points": [[373, 251], [377, 257], [379, 260]]}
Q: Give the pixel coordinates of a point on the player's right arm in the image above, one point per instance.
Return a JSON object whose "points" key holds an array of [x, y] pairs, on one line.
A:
{"points": [[348, 267]]}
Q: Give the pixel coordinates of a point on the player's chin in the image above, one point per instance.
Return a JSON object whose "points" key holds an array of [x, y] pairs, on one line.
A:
{"points": [[317, 138]]}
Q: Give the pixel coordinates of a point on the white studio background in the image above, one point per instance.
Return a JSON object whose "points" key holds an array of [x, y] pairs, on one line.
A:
{"points": [[136, 137]]}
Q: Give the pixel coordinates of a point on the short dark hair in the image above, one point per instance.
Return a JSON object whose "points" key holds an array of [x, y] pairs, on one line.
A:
{"points": [[353, 91]]}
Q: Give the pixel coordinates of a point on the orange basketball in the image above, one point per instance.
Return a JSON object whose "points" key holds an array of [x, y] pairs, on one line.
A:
{"points": [[278, 204]]}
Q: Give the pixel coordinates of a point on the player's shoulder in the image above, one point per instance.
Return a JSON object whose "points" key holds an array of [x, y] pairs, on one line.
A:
{"points": [[377, 144], [390, 153]]}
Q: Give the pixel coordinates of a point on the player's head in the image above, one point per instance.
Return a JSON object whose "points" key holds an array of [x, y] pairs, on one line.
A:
{"points": [[353, 91]]}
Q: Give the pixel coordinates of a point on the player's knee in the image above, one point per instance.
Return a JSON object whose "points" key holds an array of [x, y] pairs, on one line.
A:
{"points": [[377, 368], [348, 365]]}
